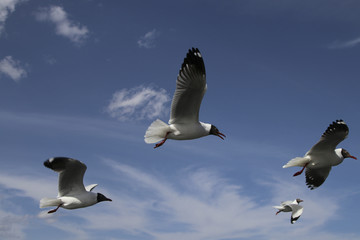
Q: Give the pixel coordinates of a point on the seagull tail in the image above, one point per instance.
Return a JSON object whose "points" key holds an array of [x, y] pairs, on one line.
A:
{"points": [[156, 131], [298, 161], [48, 202]]}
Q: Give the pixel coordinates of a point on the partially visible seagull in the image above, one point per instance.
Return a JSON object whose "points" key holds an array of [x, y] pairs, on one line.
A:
{"points": [[72, 193], [323, 155], [184, 117], [293, 207]]}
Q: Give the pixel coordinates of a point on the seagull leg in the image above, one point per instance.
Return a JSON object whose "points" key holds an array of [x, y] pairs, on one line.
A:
{"points": [[54, 210], [162, 142], [300, 172], [277, 212]]}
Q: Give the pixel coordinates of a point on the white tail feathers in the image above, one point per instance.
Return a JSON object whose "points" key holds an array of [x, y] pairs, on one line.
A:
{"points": [[156, 131], [48, 202], [298, 161]]}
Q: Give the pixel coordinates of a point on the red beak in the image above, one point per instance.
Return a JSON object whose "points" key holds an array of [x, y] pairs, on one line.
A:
{"points": [[221, 135], [353, 157]]}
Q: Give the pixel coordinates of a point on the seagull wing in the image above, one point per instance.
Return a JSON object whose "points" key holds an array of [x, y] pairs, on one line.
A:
{"points": [[286, 203], [190, 89], [297, 210], [71, 174], [316, 177], [334, 134], [90, 187]]}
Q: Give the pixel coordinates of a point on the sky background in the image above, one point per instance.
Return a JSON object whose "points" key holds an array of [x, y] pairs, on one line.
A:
{"points": [[84, 79]]}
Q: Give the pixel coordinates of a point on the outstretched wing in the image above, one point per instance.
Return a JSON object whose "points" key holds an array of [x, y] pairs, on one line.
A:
{"points": [[297, 210], [190, 89], [71, 174], [316, 177], [334, 134]]}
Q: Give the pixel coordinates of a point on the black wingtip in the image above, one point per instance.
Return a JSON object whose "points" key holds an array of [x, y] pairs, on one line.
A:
{"points": [[56, 162], [47, 163], [194, 58], [311, 187], [292, 220], [337, 125], [194, 53], [194, 50]]}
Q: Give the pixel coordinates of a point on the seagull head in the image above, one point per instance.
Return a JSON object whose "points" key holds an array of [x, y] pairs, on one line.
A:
{"points": [[298, 200], [101, 198], [346, 154], [215, 131]]}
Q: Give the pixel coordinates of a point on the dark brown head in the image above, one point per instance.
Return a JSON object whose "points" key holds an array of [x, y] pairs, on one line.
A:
{"points": [[298, 200], [346, 154], [215, 131], [101, 198]]}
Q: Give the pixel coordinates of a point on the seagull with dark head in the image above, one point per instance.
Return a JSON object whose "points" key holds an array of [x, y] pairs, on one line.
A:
{"points": [[72, 193], [319, 160], [291, 206], [184, 121]]}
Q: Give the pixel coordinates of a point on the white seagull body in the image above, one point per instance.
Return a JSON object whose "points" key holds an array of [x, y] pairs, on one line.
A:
{"points": [[293, 207], [184, 121], [323, 155], [71, 191]]}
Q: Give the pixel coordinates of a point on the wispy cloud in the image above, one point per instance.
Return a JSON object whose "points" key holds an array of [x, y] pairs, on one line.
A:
{"points": [[201, 204], [68, 124], [12, 222], [75, 32], [148, 40], [198, 204], [138, 103], [345, 44], [6, 8], [49, 59], [12, 68], [11, 225]]}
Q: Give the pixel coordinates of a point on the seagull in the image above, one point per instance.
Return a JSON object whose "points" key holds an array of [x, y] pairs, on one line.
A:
{"points": [[72, 193], [323, 155], [291, 206], [184, 117]]}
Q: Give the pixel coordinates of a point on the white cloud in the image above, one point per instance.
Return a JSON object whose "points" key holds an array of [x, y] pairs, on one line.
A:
{"points": [[345, 44], [49, 59], [148, 40], [6, 8], [63, 26], [138, 103], [83, 126], [198, 204], [12, 68], [11, 225]]}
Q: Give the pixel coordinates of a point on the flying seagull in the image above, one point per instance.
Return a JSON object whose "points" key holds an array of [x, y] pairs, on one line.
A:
{"points": [[293, 207], [72, 193], [184, 121], [323, 155]]}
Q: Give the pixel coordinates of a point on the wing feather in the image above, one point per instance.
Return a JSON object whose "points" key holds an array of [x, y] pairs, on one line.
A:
{"points": [[316, 177], [297, 210], [334, 134], [190, 89], [71, 174]]}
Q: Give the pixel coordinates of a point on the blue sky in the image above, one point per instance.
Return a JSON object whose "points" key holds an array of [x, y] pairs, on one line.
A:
{"points": [[85, 79]]}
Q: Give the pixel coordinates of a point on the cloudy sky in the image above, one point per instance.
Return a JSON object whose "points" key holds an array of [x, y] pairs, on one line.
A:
{"points": [[85, 79]]}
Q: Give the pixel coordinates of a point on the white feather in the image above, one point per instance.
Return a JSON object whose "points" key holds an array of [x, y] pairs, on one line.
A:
{"points": [[90, 187], [298, 161], [156, 131], [48, 202]]}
